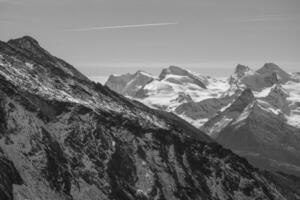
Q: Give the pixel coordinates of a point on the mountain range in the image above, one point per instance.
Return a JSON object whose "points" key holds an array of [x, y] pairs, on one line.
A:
{"points": [[254, 113], [63, 136]]}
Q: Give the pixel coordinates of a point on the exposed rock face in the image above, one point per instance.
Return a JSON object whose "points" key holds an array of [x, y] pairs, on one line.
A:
{"points": [[266, 76], [277, 97], [271, 68], [222, 119], [173, 70], [239, 72], [65, 137], [204, 109], [28, 48], [257, 130], [261, 127], [128, 84], [117, 83]]}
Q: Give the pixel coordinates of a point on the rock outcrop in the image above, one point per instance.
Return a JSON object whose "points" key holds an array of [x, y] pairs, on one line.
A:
{"points": [[174, 70], [128, 84], [268, 75], [258, 131]]}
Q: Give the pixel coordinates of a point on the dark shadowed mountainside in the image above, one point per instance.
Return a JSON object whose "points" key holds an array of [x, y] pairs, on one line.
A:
{"points": [[63, 136]]}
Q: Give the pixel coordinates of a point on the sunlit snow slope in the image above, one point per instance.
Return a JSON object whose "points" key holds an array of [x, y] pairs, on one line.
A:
{"points": [[216, 106]]}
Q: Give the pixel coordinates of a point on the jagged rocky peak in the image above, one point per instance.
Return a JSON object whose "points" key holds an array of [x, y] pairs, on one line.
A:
{"points": [[117, 83], [140, 79], [178, 71], [266, 76], [142, 74], [231, 112], [129, 84], [29, 44], [28, 49], [278, 89], [25, 42], [245, 98], [173, 70], [240, 70], [125, 77], [271, 69], [261, 135], [255, 127], [278, 98], [242, 101]]}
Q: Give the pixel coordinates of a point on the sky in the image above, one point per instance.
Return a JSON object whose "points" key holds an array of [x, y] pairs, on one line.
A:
{"points": [[100, 37]]}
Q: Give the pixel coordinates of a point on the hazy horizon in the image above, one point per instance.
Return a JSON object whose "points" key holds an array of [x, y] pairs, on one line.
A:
{"points": [[155, 70], [101, 37]]}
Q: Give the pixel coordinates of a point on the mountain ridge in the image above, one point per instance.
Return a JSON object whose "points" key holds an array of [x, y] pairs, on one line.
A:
{"points": [[70, 138], [272, 94]]}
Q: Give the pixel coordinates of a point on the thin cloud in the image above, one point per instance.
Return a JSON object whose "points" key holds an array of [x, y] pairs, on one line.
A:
{"points": [[96, 28]]}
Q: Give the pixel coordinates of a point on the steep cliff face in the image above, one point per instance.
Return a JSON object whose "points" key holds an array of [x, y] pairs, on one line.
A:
{"points": [[129, 84], [174, 70], [197, 113], [65, 137], [240, 72], [271, 68], [258, 131], [268, 75]]}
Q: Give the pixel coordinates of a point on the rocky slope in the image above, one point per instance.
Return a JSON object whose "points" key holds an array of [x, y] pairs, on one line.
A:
{"points": [[264, 128], [128, 84], [256, 130], [272, 99], [268, 75], [177, 71], [65, 137]]}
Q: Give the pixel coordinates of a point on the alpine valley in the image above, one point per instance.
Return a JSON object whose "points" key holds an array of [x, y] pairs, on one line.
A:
{"points": [[63, 136]]}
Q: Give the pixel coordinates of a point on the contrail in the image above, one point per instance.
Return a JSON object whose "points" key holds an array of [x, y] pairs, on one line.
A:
{"points": [[119, 27]]}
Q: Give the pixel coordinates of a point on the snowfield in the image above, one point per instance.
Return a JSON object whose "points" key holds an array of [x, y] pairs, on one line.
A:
{"points": [[176, 86]]}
